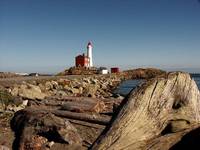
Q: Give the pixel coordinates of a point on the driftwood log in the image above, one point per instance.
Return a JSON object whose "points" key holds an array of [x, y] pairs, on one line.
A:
{"points": [[78, 104], [155, 116], [93, 118], [35, 128]]}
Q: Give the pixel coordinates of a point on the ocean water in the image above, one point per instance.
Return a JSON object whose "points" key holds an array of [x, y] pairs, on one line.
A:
{"points": [[196, 78], [126, 86]]}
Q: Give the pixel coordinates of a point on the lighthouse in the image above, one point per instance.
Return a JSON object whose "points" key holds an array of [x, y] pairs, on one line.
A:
{"points": [[89, 54]]}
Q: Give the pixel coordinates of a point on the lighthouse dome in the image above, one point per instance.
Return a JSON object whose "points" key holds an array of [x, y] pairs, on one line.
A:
{"points": [[89, 44]]}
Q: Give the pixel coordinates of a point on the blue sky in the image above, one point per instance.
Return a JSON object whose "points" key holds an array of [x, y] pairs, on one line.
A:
{"points": [[46, 35]]}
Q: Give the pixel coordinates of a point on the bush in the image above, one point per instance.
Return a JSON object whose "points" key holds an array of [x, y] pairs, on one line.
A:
{"points": [[5, 99]]}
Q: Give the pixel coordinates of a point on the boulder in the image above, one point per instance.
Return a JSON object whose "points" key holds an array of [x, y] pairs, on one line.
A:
{"points": [[103, 86], [42, 87], [16, 108], [84, 84], [48, 85], [61, 93], [86, 80], [75, 91], [90, 91], [63, 82], [50, 144], [51, 85], [55, 84], [93, 81], [31, 92], [80, 90], [67, 87], [15, 91]]}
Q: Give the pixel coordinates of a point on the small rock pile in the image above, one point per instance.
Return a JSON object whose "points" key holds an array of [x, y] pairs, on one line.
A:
{"points": [[92, 86]]}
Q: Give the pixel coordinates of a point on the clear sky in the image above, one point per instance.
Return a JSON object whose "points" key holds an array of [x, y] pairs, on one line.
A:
{"points": [[46, 35]]}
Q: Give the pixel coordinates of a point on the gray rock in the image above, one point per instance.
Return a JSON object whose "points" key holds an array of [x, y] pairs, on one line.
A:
{"points": [[48, 85], [50, 144], [61, 93], [55, 84], [25, 102], [15, 108], [75, 91], [42, 87], [90, 90], [86, 80], [103, 86], [66, 87], [63, 82], [15, 91], [31, 92], [93, 81], [80, 90], [72, 90]]}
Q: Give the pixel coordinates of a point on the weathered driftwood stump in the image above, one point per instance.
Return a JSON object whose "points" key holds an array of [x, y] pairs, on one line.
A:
{"points": [[154, 116], [33, 128]]}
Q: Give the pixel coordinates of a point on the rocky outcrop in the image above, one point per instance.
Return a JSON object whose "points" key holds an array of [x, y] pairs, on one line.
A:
{"points": [[78, 71], [143, 73]]}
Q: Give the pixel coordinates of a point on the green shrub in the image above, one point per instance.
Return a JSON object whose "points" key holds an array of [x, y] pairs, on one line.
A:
{"points": [[5, 99]]}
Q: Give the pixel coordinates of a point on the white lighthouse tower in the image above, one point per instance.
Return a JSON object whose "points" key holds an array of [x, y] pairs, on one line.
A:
{"points": [[89, 54]]}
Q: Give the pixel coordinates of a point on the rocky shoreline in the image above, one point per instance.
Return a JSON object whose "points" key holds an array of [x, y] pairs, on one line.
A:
{"points": [[162, 113], [98, 88]]}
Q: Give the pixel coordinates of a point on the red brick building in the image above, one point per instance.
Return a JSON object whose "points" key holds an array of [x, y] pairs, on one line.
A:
{"points": [[82, 61]]}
